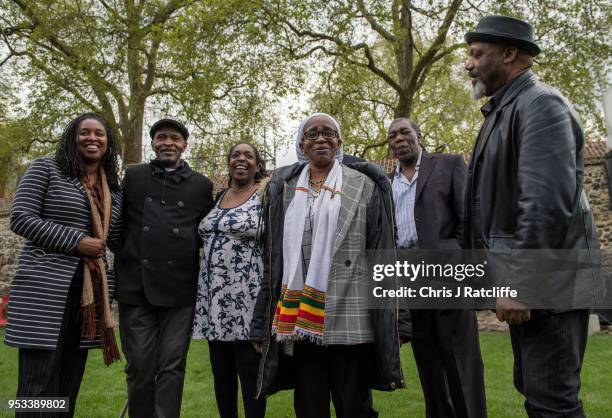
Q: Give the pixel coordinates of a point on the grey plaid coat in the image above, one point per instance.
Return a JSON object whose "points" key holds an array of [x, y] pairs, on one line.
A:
{"points": [[365, 222]]}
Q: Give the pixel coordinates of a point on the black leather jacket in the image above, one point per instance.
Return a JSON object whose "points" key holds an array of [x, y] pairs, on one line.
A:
{"points": [[275, 371], [530, 174]]}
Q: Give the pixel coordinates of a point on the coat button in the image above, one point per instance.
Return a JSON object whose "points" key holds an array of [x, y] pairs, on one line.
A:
{"points": [[148, 200], [145, 261], [146, 229], [180, 204], [175, 230], [170, 262], [347, 263]]}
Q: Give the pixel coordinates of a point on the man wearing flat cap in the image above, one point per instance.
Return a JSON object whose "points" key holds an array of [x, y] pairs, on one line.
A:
{"points": [[524, 191], [157, 270]]}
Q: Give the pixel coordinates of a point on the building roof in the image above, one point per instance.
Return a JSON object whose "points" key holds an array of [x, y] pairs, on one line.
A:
{"points": [[595, 152], [219, 181]]}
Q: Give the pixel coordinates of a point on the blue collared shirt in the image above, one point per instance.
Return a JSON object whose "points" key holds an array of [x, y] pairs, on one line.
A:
{"points": [[404, 194]]}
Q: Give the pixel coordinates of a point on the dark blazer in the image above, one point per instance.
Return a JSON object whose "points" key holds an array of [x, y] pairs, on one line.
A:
{"points": [[53, 214], [438, 208], [159, 260]]}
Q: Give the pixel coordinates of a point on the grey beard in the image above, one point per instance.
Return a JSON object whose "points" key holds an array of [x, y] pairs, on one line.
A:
{"points": [[478, 89]]}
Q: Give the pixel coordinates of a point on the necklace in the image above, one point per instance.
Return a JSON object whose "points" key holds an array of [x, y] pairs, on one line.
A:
{"points": [[237, 190], [316, 182]]}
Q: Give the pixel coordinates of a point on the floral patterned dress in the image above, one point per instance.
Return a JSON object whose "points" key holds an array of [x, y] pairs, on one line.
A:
{"points": [[230, 271]]}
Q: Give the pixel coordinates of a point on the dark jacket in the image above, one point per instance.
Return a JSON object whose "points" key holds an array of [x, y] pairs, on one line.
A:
{"points": [[389, 325], [158, 262], [529, 167], [438, 207]]}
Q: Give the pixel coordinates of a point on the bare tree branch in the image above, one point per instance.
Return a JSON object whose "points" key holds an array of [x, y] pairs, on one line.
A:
{"points": [[426, 60], [375, 25]]}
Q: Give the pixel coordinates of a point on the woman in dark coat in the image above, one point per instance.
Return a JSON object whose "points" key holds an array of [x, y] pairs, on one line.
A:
{"points": [[67, 206], [312, 320]]}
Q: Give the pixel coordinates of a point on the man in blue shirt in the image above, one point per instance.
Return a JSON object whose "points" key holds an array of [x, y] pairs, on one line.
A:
{"points": [[428, 197]]}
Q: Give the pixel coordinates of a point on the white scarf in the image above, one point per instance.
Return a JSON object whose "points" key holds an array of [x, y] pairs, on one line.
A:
{"points": [[326, 211]]}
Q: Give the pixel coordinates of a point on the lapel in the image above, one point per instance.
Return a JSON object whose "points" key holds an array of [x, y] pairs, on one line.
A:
{"points": [[427, 164], [288, 192], [352, 188], [525, 79], [77, 183]]}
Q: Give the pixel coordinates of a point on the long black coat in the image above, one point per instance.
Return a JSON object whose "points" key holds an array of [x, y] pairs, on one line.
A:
{"points": [[159, 260], [529, 167]]}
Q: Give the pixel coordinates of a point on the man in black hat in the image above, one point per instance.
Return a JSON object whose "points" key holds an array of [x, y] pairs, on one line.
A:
{"points": [[157, 270], [525, 191]]}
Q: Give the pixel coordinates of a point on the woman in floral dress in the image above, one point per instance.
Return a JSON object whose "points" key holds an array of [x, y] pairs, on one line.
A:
{"points": [[230, 276]]}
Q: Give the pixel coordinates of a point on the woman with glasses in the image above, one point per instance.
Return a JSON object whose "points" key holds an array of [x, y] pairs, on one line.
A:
{"points": [[312, 322], [230, 277]]}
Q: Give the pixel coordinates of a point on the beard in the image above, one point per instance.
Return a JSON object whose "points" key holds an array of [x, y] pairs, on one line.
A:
{"points": [[479, 89]]}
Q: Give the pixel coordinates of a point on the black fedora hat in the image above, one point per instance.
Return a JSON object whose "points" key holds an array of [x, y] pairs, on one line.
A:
{"points": [[169, 123], [504, 29]]}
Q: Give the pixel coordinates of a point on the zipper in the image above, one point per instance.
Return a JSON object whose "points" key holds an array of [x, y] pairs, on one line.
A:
{"points": [[399, 344], [267, 331]]}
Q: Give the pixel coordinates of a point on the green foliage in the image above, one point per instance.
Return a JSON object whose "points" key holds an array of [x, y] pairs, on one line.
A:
{"points": [[227, 67], [204, 62], [21, 139], [103, 391], [377, 60]]}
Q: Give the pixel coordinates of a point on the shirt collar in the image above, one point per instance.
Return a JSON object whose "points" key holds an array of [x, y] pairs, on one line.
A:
{"points": [[183, 170], [398, 169], [497, 97]]}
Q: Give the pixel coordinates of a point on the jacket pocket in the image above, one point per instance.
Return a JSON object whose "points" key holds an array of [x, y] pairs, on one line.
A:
{"points": [[500, 242]]}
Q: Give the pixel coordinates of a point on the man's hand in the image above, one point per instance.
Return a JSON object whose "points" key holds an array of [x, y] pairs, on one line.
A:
{"points": [[91, 247], [512, 311], [257, 346]]}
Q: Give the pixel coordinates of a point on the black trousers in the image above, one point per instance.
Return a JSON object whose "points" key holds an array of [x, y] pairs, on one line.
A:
{"points": [[155, 341], [446, 349], [548, 353], [339, 370], [59, 372], [230, 360]]}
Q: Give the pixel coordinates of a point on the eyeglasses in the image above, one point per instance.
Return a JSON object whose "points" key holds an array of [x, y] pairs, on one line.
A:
{"points": [[313, 134]]}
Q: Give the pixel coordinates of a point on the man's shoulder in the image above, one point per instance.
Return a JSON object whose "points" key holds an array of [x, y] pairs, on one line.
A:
{"points": [[137, 168], [446, 158], [539, 91], [201, 179]]}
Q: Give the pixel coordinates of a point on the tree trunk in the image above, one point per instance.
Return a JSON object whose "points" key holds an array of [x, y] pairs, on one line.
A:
{"points": [[403, 108], [132, 139]]}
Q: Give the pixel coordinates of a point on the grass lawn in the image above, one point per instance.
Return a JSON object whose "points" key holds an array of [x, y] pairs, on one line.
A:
{"points": [[103, 390]]}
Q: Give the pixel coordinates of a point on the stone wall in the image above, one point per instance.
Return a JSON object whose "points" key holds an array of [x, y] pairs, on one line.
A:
{"points": [[596, 187], [10, 245]]}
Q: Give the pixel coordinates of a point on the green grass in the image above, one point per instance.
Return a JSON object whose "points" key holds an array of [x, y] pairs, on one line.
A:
{"points": [[103, 390]]}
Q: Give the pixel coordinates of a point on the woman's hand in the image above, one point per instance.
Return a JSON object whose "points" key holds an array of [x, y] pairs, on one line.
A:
{"points": [[91, 247], [257, 346]]}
